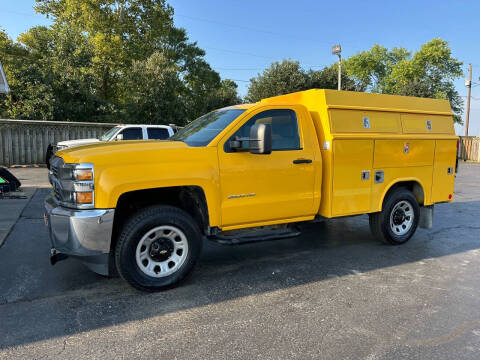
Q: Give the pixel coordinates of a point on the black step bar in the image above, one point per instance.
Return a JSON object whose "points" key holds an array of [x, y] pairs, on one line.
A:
{"points": [[254, 236]]}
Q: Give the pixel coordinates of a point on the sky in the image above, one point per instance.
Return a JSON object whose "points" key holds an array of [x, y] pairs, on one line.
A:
{"points": [[243, 37]]}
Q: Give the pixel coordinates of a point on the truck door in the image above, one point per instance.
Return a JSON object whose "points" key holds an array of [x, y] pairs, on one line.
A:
{"points": [[258, 187]]}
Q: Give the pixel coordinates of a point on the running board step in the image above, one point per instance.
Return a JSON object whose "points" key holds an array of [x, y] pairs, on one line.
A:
{"points": [[246, 237]]}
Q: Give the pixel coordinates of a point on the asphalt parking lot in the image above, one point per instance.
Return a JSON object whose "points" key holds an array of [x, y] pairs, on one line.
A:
{"points": [[332, 293]]}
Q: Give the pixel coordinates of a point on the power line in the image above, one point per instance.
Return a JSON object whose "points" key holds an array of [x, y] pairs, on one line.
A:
{"points": [[471, 97], [283, 35], [21, 13], [238, 52], [238, 80], [238, 69], [256, 55], [259, 69]]}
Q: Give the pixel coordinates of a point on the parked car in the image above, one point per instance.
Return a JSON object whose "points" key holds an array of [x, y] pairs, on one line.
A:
{"points": [[251, 172], [120, 132]]}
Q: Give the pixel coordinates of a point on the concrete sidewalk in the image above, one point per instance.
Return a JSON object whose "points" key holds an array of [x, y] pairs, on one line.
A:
{"points": [[11, 209]]}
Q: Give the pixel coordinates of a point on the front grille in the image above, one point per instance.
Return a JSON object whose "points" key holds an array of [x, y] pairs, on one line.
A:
{"points": [[54, 179], [54, 171], [58, 193]]}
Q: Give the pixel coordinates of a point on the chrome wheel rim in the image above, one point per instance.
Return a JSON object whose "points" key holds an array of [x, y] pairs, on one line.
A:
{"points": [[161, 251], [401, 217]]}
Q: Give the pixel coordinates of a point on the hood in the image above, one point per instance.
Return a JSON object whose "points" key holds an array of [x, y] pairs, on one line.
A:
{"points": [[110, 153], [68, 143]]}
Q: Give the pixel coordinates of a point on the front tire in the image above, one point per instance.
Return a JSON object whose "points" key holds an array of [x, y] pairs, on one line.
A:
{"points": [[398, 220], [157, 248]]}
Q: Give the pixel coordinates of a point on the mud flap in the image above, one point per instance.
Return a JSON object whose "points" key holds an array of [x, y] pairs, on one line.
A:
{"points": [[426, 217]]}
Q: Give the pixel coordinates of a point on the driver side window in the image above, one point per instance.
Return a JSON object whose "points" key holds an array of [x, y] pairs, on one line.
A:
{"points": [[284, 129], [132, 133]]}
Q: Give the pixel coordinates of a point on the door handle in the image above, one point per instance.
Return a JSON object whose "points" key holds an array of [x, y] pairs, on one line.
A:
{"points": [[302, 161]]}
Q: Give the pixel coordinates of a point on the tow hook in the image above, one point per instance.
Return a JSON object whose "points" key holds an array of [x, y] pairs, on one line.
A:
{"points": [[55, 256]]}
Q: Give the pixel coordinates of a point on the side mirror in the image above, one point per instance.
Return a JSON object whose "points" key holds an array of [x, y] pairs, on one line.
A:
{"points": [[119, 137], [260, 141]]}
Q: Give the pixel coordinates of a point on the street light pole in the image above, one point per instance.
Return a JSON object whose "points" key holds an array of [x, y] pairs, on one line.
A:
{"points": [[339, 72], [468, 84], [337, 50]]}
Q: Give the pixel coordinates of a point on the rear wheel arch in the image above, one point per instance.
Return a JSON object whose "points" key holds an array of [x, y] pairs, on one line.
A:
{"points": [[414, 186]]}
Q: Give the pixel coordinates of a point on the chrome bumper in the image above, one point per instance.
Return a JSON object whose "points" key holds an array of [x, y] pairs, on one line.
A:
{"points": [[83, 234]]}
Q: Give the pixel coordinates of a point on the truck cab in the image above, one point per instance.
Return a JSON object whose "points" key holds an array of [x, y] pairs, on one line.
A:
{"points": [[251, 172]]}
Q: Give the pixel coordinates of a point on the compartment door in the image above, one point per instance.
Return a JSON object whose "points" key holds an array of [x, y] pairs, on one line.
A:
{"points": [[444, 170], [352, 176], [427, 124]]}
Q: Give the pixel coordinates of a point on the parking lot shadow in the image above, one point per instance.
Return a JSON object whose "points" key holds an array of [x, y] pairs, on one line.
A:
{"points": [[39, 302]]}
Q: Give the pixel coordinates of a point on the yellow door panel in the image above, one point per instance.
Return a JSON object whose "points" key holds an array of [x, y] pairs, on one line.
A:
{"points": [[351, 190], [427, 124], [444, 170], [258, 188], [354, 121], [402, 153]]}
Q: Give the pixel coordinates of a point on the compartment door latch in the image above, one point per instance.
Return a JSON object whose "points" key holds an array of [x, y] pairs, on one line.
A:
{"points": [[379, 176], [365, 175]]}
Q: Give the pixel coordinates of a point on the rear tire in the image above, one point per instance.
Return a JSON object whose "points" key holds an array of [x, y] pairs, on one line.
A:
{"points": [[398, 220], [157, 248]]}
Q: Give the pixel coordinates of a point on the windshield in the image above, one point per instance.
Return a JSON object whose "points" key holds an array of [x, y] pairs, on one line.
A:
{"points": [[203, 130], [109, 134]]}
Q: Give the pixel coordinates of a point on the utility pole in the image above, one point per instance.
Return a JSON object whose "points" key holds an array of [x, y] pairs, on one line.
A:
{"points": [[4, 89], [337, 50], [468, 84]]}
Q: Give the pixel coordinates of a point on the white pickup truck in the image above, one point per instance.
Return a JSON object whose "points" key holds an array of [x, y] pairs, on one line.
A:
{"points": [[120, 132]]}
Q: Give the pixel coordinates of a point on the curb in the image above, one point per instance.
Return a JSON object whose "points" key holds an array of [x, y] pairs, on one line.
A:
{"points": [[27, 166]]}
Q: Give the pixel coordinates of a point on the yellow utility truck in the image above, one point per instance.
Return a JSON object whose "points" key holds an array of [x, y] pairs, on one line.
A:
{"points": [[251, 172]]}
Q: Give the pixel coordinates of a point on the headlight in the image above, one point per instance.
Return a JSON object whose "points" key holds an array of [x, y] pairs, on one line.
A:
{"points": [[73, 184]]}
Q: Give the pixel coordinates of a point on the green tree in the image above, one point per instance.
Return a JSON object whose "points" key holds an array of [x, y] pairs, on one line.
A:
{"points": [[327, 78], [287, 77], [153, 90], [30, 97], [225, 95], [429, 72], [83, 66], [278, 79], [369, 69], [123, 32]]}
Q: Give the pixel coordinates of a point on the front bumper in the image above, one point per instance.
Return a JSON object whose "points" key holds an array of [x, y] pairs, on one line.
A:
{"points": [[82, 234]]}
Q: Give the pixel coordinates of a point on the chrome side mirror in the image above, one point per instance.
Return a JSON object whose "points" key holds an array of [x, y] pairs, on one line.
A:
{"points": [[119, 137]]}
